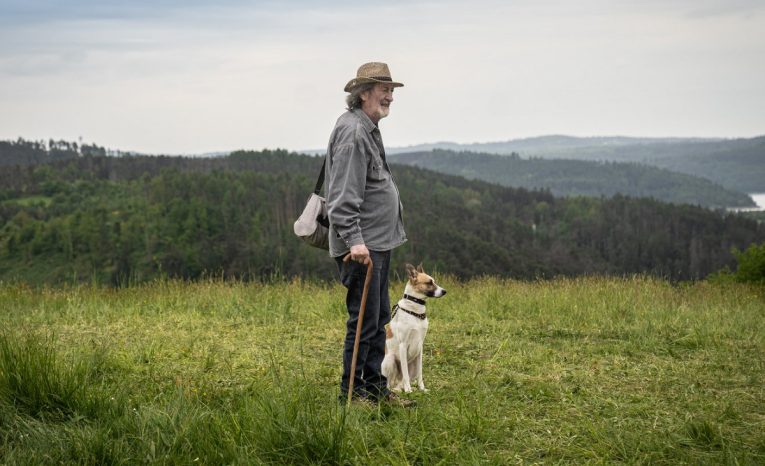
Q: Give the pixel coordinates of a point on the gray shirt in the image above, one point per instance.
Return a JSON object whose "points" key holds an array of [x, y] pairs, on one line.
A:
{"points": [[362, 198]]}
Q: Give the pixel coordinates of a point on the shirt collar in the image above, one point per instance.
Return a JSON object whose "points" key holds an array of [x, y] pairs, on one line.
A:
{"points": [[365, 120]]}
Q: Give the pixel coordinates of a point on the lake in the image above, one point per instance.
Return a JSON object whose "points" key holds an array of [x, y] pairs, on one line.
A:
{"points": [[759, 199]]}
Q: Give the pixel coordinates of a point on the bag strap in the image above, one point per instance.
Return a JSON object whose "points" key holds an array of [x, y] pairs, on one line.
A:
{"points": [[320, 181]]}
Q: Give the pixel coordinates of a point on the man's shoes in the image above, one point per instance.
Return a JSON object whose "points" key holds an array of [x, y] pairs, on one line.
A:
{"points": [[393, 399], [389, 399], [363, 402]]}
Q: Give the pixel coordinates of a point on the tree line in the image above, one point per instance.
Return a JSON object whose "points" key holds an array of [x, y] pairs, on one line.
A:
{"points": [[23, 152], [134, 218], [566, 177], [736, 164]]}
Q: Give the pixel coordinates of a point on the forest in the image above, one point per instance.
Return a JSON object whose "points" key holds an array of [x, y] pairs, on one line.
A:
{"points": [[566, 177], [130, 219], [736, 164], [23, 152]]}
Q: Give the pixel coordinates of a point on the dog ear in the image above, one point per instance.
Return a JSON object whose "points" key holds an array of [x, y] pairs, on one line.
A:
{"points": [[412, 272], [419, 268]]}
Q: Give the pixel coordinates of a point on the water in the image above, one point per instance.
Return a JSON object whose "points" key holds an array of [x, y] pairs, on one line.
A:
{"points": [[759, 199]]}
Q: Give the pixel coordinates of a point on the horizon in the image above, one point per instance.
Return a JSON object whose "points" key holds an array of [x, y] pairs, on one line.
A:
{"points": [[179, 77], [398, 149]]}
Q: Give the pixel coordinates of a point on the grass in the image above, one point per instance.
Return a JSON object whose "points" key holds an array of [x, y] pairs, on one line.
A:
{"points": [[588, 370], [31, 201]]}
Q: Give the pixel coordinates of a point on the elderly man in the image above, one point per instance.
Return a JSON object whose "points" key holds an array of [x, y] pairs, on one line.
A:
{"points": [[365, 217]]}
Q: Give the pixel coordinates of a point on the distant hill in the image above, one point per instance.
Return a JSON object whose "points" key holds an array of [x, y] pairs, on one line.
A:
{"points": [[540, 145], [24, 152], [736, 164], [578, 177], [130, 219]]}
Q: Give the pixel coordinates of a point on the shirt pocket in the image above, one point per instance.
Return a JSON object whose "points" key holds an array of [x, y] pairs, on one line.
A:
{"points": [[376, 169]]}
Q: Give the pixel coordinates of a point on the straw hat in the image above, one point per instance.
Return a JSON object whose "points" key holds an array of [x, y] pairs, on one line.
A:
{"points": [[374, 72]]}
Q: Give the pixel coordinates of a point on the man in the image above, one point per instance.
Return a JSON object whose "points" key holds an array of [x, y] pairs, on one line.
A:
{"points": [[365, 217]]}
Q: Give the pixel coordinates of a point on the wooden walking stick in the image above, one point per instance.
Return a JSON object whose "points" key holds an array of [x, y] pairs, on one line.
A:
{"points": [[362, 309]]}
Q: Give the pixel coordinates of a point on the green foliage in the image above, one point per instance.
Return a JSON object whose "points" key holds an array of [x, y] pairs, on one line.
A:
{"points": [[26, 153], [125, 220], [30, 153], [736, 164], [578, 178], [587, 370], [758, 216], [751, 264]]}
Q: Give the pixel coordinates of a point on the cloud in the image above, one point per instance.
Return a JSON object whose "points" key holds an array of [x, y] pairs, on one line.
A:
{"points": [[195, 76], [40, 11]]}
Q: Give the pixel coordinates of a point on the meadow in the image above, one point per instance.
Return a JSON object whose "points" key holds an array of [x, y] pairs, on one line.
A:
{"points": [[589, 370]]}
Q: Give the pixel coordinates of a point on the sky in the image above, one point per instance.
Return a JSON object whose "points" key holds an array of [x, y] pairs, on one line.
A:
{"points": [[193, 76]]}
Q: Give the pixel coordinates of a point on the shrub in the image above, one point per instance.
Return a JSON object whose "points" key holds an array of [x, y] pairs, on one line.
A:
{"points": [[751, 264]]}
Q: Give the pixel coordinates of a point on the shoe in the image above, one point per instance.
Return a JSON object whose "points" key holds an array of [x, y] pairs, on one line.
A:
{"points": [[363, 402], [394, 399], [357, 400]]}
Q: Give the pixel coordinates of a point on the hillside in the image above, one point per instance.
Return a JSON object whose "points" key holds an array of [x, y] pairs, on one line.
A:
{"points": [[540, 145], [736, 164], [578, 177], [131, 219], [22, 152]]}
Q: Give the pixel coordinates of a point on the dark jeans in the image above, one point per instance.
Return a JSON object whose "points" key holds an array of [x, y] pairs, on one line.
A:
{"points": [[368, 381]]}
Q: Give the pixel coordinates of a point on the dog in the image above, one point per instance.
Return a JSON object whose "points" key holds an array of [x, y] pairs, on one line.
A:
{"points": [[405, 335]]}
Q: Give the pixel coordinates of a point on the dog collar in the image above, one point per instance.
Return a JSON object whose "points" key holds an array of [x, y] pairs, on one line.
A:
{"points": [[413, 299], [397, 307]]}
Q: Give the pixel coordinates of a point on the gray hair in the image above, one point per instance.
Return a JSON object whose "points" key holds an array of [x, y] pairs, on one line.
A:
{"points": [[353, 100]]}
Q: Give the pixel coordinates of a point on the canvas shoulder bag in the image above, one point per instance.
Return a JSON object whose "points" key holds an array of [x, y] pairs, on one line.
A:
{"points": [[313, 224]]}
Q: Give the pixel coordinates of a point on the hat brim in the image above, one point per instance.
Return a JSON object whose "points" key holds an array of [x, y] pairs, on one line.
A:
{"points": [[358, 81]]}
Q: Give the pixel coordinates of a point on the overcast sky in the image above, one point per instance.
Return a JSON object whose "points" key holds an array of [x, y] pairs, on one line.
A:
{"points": [[192, 76]]}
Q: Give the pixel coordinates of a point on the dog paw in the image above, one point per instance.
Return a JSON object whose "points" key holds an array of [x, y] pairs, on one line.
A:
{"points": [[424, 390], [408, 389]]}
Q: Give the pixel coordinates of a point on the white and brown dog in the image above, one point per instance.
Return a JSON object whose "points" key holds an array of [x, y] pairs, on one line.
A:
{"points": [[406, 333]]}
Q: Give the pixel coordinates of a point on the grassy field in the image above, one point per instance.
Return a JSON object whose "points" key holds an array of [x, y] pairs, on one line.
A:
{"points": [[564, 371]]}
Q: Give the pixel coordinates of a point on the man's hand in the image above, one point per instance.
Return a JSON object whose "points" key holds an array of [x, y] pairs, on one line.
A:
{"points": [[360, 253]]}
